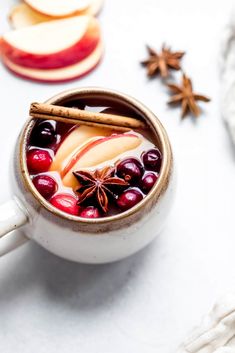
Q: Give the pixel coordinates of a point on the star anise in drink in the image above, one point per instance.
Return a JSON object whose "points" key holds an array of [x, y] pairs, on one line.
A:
{"points": [[162, 62], [99, 185], [183, 94]]}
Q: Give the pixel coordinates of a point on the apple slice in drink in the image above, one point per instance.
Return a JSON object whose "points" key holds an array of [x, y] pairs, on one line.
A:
{"points": [[22, 15], [51, 45], [97, 152], [65, 74], [74, 141]]}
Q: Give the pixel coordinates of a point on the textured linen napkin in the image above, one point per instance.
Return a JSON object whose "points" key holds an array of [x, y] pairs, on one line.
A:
{"points": [[216, 333], [228, 76]]}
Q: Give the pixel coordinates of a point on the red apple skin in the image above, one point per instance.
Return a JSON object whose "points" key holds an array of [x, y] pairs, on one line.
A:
{"points": [[76, 77], [79, 51]]}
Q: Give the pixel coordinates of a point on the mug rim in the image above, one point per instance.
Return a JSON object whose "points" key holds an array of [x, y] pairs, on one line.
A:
{"points": [[154, 124]]}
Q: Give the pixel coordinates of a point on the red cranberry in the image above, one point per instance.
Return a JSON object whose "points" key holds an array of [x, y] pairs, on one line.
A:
{"points": [[46, 185], [90, 212], [66, 203], [152, 160], [131, 170], [148, 181], [43, 134], [128, 199], [38, 161]]}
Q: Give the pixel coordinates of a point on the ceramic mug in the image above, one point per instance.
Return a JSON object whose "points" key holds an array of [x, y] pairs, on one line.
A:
{"points": [[78, 239]]}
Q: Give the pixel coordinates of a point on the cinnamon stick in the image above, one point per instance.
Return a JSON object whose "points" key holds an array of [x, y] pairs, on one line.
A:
{"points": [[78, 115], [80, 122]]}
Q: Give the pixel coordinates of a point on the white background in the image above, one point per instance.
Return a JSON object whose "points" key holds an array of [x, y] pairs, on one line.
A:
{"points": [[146, 303]]}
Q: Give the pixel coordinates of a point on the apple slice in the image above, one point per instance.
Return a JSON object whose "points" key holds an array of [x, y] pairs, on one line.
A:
{"points": [[57, 75], [99, 151], [58, 8], [22, 15], [53, 44], [95, 7], [74, 141]]}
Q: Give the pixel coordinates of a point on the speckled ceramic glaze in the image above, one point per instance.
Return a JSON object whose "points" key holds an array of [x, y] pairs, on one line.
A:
{"points": [[90, 240]]}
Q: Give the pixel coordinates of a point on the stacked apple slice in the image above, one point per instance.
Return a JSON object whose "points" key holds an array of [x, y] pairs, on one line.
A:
{"points": [[87, 147], [64, 47], [32, 12]]}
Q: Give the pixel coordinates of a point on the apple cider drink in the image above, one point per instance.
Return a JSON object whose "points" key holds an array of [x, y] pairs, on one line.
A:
{"points": [[91, 171]]}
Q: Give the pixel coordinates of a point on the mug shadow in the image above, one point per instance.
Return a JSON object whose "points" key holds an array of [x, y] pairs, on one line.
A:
{"points": [[79, 286]]}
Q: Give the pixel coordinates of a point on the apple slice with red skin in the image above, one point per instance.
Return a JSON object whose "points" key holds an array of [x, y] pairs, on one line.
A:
{"points": [[97, 152], [22, 15], [53, 44], [66, 74], [60, 8], [75, 141]]}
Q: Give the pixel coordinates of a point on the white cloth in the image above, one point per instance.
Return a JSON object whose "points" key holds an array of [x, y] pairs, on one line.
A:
{"points": [[228, 76], [216, 333]]}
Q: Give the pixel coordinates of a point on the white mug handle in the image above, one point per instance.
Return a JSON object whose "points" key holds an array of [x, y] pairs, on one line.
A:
{"points": [[12, 217]]}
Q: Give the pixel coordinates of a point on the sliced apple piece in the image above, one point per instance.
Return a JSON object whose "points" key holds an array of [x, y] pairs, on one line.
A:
{"points": [[57, 75], [22, 15], [74, 141], [58, 8], [97, 152], [95, 7], [53, 44]]}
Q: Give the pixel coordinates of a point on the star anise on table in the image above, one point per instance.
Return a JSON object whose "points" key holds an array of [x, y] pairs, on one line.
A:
{"points": [[162, 62], [98, 184], [183, 94]]}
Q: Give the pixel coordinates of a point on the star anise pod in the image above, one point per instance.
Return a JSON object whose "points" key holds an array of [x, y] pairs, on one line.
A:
{"points": [[161, 63], [98, 184], [184, 95]]}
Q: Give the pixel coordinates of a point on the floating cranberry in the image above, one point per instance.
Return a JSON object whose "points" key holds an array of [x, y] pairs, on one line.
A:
{"points": [[46, 185], [90, 212], [131, 170], [44, 134], [128, 199], [66, 203], [148, 181], [38, 161], [152, 160]]}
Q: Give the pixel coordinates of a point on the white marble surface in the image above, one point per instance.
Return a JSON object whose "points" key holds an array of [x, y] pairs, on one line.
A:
{"points": [[146, 303]]}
